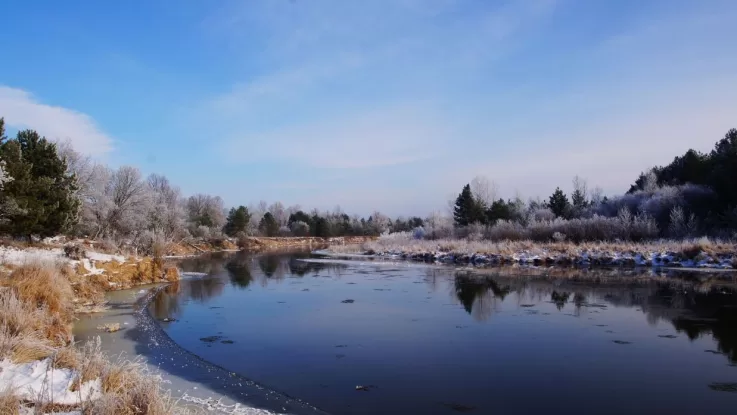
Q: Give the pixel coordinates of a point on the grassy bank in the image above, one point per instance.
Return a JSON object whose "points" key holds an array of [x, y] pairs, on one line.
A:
{"points": [[41, 369], [702, 252]]}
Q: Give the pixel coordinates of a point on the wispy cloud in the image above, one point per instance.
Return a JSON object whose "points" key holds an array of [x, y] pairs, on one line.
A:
{"points": [[349, 82], [397, 135], [21, 110]]}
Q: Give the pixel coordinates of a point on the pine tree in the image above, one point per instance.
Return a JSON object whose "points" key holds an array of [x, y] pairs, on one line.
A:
{"points": [[237, 221], [268, 225], [467, 209], [558, 203], [499, 210], [42, 190]]}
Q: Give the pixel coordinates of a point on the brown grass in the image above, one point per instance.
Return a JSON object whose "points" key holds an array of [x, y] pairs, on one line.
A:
{"points": [[36, 309], [129, 389], [42, 286], [9, 403], [23, 329], [66, 358]]}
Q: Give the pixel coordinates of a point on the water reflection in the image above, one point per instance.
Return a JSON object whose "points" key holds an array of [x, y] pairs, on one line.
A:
{"points": [[694, 304], [684, 303]]}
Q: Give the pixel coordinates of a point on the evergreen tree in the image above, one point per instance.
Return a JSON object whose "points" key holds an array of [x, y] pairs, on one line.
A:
{"points": [[42, 190], [268, 225], [499, 210], [237, 221], [558, 203], [578, 199], [299, 216], [319, 227], [467, 209]]}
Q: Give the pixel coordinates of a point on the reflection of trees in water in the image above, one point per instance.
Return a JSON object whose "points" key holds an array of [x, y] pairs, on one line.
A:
{"points": [[242, 269], [239, 270], [696, 304], [479, 296], [168, 302], [559, 298], [210, 264]]}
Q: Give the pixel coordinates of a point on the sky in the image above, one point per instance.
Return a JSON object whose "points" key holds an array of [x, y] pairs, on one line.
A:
{"points": [[385, 104]]}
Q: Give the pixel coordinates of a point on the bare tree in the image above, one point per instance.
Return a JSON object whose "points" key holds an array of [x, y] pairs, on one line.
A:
{"points": [[279, 213], [166, 212], [484, 190], [597, 195], [205, 211]]}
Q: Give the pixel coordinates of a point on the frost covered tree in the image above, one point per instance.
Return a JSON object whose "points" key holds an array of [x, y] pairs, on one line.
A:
{"points": [[42, 189], [116, 203], [484, 190], [279, 213], [378, 223], [205, 211], [165, 210]]}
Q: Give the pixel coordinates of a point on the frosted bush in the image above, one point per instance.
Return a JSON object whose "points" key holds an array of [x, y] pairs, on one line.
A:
{"points": [[418, 232]]}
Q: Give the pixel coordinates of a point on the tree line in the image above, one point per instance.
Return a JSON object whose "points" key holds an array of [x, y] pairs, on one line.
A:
{"points": [[696, 194], [48, 188]]}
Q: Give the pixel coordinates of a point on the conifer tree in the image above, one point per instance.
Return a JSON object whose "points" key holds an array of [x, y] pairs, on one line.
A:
{"points": [[237, 221], [42, 190], [558, 203], [467, 209], [268, 225]]}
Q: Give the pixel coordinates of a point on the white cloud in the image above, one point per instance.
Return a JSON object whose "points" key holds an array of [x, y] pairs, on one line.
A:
{"points": [[21, 110]]}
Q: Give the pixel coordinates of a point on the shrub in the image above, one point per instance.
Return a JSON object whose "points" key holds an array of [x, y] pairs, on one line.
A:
{"points": [[242, 240], [75, 252], [43, 286]]}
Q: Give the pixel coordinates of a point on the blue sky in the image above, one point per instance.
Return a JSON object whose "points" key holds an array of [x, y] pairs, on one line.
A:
{"points": [[382, 104]]}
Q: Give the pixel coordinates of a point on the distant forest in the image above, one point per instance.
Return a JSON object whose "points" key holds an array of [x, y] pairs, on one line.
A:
{"points": [[48, 188]]}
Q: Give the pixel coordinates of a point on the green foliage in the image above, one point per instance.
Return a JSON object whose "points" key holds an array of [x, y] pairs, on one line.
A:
{"points": [[299, 216], [499, 210], [319, 226], [558, 203], [467, 209], [237, 221], [716, 170], [578, 198], [42, 190], [268, 225]]}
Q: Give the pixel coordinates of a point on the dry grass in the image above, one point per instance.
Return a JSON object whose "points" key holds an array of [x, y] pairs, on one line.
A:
{"points": [[129, 389], [109, 327], [24, 329], [36, 309], [43, 287], [66, 358], [404, 242], [9, 403]]}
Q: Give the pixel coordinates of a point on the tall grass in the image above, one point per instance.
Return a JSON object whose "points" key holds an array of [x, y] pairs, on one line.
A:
{"points": [[36, 309]]}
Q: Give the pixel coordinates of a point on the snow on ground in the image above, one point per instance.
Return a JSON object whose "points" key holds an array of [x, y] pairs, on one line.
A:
{"points": [[38, 381], [15, 256]]}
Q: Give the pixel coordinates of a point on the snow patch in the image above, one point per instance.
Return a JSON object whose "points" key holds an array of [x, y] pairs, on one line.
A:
{"points": [[38, 381], [217, 405]]}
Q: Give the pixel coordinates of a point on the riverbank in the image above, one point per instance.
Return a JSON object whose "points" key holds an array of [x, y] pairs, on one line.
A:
{"points": [[700, 253], [46, 286]]}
